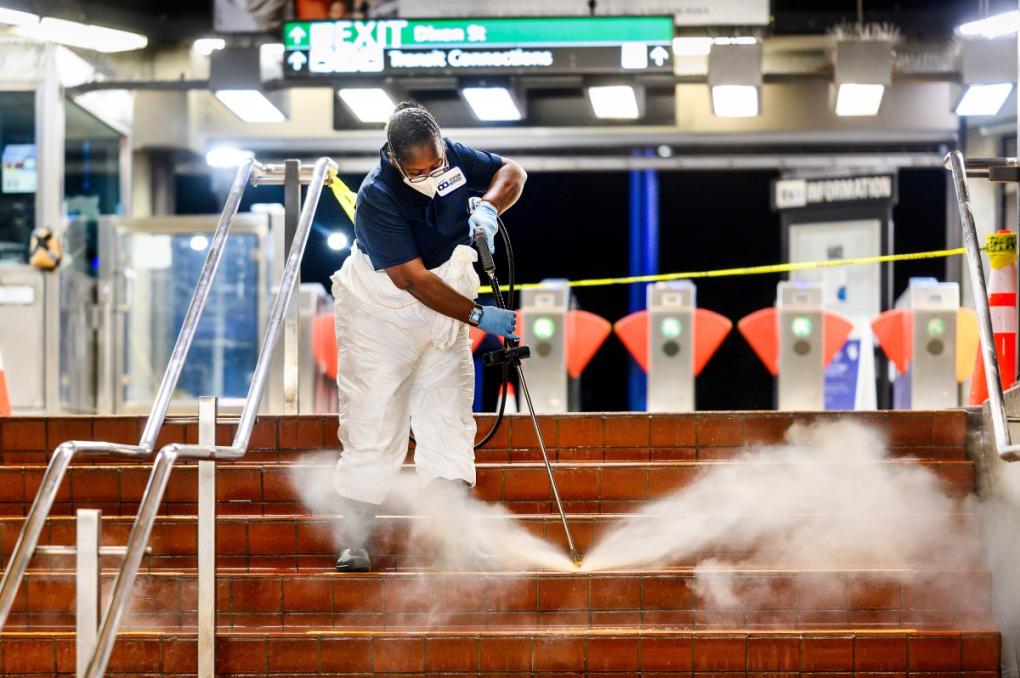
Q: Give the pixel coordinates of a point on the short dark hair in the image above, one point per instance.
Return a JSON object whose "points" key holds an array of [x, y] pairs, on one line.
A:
{"points": [[409, 126]]}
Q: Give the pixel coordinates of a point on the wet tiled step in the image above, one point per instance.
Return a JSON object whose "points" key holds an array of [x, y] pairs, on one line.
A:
{"points": [[273, 488], [617, 652], [573, 437], [303, 542], [724, 598]]}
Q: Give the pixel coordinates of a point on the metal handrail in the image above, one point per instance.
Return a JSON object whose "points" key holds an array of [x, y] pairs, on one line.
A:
{"points": [[275, 174], [142, 527], [1004, 445], [28, 540], [982, 168]]}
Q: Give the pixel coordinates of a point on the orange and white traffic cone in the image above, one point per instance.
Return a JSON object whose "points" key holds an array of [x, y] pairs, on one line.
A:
{"points": [[511, 398], [1001, 247], [5, 398]]}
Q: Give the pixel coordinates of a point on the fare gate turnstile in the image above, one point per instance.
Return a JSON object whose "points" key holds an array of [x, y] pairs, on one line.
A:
{"points": [[562, 340], [48, 334], [801, 384], [931, 381], [670, 379], [672, 340], [796, 340], [29, 306], [931, 342], [544, 314]]}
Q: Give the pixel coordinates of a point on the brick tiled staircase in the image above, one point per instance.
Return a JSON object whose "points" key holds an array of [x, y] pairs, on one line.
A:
{"points": [[283, 611]]}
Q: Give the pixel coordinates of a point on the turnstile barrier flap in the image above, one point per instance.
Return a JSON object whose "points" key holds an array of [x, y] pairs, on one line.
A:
{"points": [[894, 329], [583, 333], [967, 343], [710, 330], [586, 332], [761, 330]]}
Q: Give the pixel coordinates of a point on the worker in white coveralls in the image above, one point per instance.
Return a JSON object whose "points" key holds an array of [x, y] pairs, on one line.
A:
{"points": [[404, 300]]}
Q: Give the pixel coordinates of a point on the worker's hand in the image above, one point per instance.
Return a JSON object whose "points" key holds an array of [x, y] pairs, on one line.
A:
{"points": [[498, 321], [484, 219]]}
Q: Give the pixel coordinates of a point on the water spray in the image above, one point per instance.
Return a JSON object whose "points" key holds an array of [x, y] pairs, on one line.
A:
{"points": [[511, 355]]}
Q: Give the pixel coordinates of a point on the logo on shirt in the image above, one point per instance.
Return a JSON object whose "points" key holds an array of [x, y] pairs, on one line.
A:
{"points": [[449, 181]]}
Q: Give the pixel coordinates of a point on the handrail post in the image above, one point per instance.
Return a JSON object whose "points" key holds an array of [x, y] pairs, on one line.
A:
{"points": [[996, 406], [207, 410], [87, 585], [292, 215]]}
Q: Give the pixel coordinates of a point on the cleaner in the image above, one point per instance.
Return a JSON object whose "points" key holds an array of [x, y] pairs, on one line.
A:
{"points": [[402, 299]]}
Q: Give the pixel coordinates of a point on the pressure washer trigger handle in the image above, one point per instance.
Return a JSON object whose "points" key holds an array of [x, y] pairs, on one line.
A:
{"points": [[484, 255]]}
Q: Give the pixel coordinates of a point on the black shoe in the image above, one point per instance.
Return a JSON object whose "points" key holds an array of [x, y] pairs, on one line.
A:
{"points": [[353, 560]]}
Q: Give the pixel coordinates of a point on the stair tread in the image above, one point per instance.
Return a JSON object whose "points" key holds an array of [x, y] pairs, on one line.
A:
{"points": [[977, 630], [652, 571]]}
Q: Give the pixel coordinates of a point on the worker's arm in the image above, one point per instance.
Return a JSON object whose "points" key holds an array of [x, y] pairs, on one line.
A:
{"points": [[506, 186], [429, 289]]}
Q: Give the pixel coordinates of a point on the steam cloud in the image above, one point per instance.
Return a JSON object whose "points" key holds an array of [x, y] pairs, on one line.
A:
{"points": [[460, 533], [828, 500]]}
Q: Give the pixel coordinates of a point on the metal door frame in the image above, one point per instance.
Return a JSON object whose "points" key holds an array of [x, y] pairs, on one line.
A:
{"points": [[113, 283]]}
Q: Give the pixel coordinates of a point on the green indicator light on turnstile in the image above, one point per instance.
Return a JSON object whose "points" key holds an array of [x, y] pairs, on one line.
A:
{"points": [[543, 328], [671, 328], [801, 326], [936, 327]]}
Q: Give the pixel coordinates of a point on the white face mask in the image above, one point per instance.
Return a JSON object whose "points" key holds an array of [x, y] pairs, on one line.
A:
{"points": [[444, 184], [426, 188]]}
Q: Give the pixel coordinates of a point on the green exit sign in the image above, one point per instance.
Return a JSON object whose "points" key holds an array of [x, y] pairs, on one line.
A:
{"points": [[561, 44], [495, 32]]}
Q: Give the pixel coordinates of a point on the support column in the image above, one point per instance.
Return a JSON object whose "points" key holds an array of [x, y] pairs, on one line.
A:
{"points": [[644, 258], [49, 207], [636, 380]]}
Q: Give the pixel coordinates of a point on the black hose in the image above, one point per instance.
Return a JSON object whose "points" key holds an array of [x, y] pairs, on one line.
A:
{"points": [[511, 269]]}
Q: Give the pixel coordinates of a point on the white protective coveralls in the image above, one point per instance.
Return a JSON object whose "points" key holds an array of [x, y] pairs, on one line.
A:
{"points": [[400, 364]]}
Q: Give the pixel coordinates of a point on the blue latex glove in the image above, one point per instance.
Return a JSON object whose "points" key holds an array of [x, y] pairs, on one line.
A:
{"points": [[484, 218], [498, 321]]}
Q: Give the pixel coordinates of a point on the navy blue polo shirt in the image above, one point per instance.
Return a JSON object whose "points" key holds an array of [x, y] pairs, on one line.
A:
{"points": [[395, 224]]}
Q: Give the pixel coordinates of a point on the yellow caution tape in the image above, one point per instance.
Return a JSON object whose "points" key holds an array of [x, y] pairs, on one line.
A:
{"points": [[1001, 248], [745, 270], [348, 200], [344, 195]]}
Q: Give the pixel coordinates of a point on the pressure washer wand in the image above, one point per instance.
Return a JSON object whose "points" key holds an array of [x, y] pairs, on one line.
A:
{"points": [[514, 354]]}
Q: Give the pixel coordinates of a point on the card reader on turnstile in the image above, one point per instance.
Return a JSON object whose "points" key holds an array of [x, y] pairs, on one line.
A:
{"points": [[931, 341], [801, 382], [671, 347], [544, 314], [932, 377]]}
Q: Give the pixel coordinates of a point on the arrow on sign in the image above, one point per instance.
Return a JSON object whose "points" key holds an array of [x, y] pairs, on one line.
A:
{"points": [[659, 55], [297, 34], [297, 60]]}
